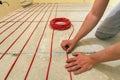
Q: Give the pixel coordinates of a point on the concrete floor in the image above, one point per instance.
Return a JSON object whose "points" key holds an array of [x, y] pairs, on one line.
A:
{"points": [[14, 41]]}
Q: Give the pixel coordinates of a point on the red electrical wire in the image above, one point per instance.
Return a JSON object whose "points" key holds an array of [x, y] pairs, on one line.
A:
{"points": [[24, 44], [40, 39], [17, 37], [60, 24], [65, 25], [49, 65], [18, 16], [55, 25], [15, 22], [16, 27]]}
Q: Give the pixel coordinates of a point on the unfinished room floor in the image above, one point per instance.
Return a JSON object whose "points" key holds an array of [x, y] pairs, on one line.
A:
{"points": [[25, 44]]}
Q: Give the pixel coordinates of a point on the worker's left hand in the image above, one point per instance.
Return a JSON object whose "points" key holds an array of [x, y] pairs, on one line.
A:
{"points": [[79, 63]]}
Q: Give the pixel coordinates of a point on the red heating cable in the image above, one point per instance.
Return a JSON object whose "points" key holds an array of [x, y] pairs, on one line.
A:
{"points": [[61, 28], [55, 25], [23, 47], [51, 46], [60, 23], [15, 22], [16, 27], [38, 45], [16, 38], [48, 69], [17, 16]]}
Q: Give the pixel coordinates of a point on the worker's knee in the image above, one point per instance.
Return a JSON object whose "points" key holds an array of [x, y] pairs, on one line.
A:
{"points": [[103, 36]]}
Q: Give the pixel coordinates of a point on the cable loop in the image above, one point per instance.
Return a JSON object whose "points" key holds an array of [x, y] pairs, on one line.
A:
{"points": [[60, 23]]}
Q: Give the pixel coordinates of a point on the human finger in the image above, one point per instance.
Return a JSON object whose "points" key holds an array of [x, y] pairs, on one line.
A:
{"points": [[73, 68], [63, 46], [81, 70], [70, 60], [70, 64]]}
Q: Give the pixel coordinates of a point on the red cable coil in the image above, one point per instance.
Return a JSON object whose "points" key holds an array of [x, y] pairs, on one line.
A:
{"points": [[60, 23]]}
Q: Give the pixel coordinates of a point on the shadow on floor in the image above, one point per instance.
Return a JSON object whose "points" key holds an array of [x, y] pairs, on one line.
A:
{"points": [[104, 43], [112, 72]]}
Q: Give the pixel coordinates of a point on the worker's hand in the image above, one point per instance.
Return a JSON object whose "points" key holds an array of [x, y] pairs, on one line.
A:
{"points": [[68, 45], [79, 63]]}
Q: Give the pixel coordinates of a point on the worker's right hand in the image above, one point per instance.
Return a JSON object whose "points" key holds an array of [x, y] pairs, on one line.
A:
{"points": [[68, 45]]}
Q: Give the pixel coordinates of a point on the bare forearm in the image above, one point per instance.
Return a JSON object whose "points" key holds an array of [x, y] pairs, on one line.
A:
{"points": [[87, 26], [92, 18], [109, 54]]}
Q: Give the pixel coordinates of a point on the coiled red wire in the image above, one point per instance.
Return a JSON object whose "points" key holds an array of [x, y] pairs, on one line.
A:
{"points": [[60, 23]]}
